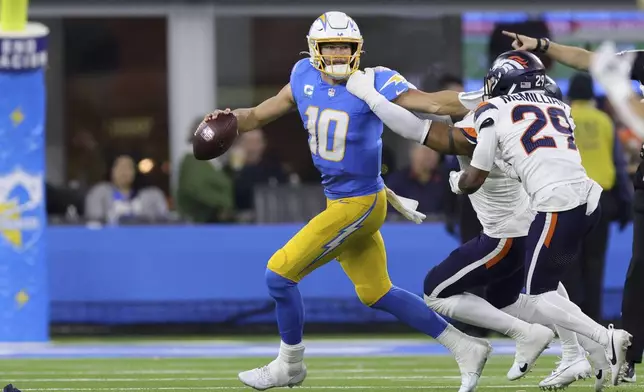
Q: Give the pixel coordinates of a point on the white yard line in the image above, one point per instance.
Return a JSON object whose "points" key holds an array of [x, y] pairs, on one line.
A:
{"points": [[317, 370], [516, 387], [183, 379]]}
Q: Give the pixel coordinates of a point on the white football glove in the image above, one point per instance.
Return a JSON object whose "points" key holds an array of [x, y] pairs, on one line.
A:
{"points": [[613, 72], [454, 176], [361, 84], [471, 99], [406, 207]]}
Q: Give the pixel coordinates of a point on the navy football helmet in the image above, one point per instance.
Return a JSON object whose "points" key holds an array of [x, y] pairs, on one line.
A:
{"points": [[552, 89], [512, 72]]}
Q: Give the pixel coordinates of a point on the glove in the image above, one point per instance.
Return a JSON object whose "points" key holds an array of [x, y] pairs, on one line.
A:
{"points": [[471, 99], [361, 84], [454, 176], [613, 71], [466, 122], [406, 207]]}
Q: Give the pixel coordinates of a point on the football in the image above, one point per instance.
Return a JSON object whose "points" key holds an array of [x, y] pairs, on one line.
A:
{"points": [[214, 137]]}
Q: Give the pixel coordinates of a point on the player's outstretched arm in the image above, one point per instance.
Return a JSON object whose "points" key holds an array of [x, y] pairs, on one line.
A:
{"points": [[447, 139], [270, 110], [441, 102], [434, 134], [568, 55]]}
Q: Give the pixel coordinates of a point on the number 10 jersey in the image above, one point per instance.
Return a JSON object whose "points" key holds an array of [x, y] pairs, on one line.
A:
{"points": [[345, 136]]}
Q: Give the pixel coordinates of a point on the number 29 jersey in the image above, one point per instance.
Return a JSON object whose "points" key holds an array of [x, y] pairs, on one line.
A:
{"points": [[535, 134], [344, 134]]}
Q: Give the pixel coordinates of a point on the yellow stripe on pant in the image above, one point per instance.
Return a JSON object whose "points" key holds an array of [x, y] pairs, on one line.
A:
{"points": [[347, 230]]}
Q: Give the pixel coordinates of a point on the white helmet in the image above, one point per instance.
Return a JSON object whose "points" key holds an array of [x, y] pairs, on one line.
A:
{"points": [[335, 27]]}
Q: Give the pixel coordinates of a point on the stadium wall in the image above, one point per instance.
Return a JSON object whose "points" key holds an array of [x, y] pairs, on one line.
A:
{"points": [[215, 274]]}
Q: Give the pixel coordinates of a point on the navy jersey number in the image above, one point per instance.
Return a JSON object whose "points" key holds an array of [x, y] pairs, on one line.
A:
{"points": [[556, 116]]}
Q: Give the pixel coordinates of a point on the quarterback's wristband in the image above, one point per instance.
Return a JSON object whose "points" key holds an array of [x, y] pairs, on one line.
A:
{"points": [[542, 48]]}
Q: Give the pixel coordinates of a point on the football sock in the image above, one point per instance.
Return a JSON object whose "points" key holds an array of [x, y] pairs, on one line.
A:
{"points": [[411, 310], [289, 307], [563, 313], [474, 310], [570, 348]]}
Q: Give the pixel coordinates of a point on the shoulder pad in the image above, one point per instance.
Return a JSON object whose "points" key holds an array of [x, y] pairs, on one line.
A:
{"points": [[390, 84], [300, 67], [485, 115]]}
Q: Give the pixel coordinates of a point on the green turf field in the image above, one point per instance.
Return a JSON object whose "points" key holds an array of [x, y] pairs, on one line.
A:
{"points": [[325, 374]]}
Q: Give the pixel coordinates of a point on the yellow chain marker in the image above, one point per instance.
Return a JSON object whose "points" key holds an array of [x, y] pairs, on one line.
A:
{"points": [[13, 15]]}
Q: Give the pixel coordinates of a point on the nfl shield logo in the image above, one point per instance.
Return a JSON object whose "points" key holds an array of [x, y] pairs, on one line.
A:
{"points": [[331, 92]]}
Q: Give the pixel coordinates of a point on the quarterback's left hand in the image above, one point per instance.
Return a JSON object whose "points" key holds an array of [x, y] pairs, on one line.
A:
{"points": [[454, 176], [406, 207], [361, 84]]}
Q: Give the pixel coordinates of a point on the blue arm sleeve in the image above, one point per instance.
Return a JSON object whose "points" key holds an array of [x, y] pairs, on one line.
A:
{"points": [[390, 84]]}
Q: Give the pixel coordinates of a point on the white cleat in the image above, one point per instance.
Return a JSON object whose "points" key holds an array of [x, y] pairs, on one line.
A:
{"points": [[566, 373], [471, 362], [618, 343], [600, 379], [275, 374], [529, 348]]}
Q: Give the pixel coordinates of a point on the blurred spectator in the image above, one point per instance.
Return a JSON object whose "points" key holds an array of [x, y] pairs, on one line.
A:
{"points": [[603, 159], [205, 190], [250, 166], [422, 180], [119, 199]]}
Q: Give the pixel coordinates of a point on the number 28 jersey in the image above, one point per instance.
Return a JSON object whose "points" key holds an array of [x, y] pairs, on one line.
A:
{"points": [[535, 134], [345, 136]]}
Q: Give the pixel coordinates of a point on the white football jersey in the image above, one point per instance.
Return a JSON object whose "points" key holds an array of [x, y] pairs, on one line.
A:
{"points": [[501, 204], [534, 133]]}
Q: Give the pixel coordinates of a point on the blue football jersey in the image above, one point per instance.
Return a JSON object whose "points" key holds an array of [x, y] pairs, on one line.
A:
{"points": [[344, 134]]}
